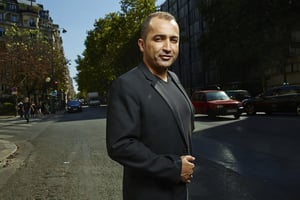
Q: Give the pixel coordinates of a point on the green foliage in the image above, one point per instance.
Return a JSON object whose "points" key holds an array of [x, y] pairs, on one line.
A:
{"points": [[7, 108], [111, 47]]}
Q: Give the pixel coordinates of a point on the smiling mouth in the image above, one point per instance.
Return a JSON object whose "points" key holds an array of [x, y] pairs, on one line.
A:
{"points": [[165, 57]]}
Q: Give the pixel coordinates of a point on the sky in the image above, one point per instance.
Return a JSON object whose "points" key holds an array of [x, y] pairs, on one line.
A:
{"points": [[78, 17]]}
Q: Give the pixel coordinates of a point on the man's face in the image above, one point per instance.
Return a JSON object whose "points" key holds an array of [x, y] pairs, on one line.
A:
{"points": [[161, 47]]}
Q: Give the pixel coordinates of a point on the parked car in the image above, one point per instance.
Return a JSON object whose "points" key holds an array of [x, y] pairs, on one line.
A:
{"points": [[239, 95], [74, 106], [285, 98], [215, 103]]}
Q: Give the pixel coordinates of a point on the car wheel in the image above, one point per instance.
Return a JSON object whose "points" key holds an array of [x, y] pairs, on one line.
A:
{"points": [[298, 110], [237, 115], [269, 112], [211, 114], [250, 109]]}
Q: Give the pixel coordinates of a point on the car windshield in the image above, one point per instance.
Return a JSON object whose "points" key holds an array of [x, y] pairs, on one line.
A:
{"points": [[240, 94], [74, 103], [218, 95]]}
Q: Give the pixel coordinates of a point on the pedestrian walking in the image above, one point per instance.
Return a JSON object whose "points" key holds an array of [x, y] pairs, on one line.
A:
{"points": [[26, 108], [33, 110], [21, 109], [150, 119], [38, 110]]}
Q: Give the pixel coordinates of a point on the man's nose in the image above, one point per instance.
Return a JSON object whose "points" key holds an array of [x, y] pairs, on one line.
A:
{"points": [[167, 45]]}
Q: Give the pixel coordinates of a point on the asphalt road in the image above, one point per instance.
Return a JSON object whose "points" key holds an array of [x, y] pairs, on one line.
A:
{"points": [[252, 158], [64, 157]]}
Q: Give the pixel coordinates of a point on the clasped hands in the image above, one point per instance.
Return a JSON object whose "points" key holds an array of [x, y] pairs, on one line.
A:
{"points": [[187, 168]]}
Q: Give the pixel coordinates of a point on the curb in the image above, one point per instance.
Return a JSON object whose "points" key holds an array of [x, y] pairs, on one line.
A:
{"points": [[8, 116], [6, 149]]}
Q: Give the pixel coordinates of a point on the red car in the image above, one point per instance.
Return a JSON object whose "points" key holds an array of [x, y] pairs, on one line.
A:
{"points": [[214, 103]]}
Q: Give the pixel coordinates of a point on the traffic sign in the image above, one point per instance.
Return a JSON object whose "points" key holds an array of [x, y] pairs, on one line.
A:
{"points": [[14, 91]]}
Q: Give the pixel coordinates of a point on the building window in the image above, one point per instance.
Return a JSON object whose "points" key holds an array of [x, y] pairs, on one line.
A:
{"points": [[297, 67], [31, 22], [12, 7], [1, 17], [2, 31], [14, 18], [296, 36]]}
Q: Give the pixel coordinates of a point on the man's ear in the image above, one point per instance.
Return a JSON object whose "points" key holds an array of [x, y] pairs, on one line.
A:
{"points": [[141, 44]]}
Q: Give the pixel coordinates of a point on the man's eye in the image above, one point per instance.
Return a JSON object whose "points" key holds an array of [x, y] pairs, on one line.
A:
{"points": [[157, 39], [174, 40]]}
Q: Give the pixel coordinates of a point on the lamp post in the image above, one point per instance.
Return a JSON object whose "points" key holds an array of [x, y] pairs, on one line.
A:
{"points": [[45, 108], [53, 81]]}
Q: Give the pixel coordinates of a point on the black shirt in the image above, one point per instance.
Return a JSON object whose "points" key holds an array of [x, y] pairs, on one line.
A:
{"points": [[179, 103]]}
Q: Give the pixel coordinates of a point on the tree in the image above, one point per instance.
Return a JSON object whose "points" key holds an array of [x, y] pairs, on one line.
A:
{"points": [[26, 59], [111, 47]]}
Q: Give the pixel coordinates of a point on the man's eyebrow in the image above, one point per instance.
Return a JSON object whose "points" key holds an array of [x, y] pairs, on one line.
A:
{"points": [[164, 35], [161, 35]]}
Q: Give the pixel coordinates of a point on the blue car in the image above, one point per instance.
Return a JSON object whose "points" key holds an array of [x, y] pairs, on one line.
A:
{"points": [[74, 106]]}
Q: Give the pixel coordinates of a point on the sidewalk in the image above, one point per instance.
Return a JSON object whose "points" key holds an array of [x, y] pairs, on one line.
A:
{"points": [[6, 148]]}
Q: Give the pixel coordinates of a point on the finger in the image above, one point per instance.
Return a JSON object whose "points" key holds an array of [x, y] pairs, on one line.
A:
{"points": [[190, 158]]}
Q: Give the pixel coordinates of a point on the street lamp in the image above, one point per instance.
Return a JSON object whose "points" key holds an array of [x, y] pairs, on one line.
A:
{"points": [[53, 81], [48, 79]]}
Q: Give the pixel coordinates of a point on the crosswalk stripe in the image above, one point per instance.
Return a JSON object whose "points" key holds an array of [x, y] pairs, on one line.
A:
{"points": [[9, 131]]}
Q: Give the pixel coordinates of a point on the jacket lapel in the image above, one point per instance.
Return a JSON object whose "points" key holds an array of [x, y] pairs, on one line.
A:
{"points": [[158, 87]]}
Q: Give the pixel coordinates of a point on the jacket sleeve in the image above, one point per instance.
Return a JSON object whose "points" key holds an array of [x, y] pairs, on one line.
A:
{"points": [[123, 136]]}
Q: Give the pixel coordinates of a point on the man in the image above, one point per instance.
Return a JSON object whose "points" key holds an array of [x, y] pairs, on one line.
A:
{"points": [[26, 107], [150, 119], [20, 109]]}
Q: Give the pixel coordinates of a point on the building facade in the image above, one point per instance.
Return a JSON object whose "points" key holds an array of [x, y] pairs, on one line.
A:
{"points": [[195, 75], [189, 65]]}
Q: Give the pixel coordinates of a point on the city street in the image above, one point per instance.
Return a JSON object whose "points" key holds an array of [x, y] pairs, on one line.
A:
{"points": [[151, 61], [63, 156]]}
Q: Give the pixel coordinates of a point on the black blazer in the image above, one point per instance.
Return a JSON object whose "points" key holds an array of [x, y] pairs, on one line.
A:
{"points": [[145, 136]]}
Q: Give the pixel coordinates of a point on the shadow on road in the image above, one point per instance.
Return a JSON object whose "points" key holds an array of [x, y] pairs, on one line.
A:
{"points": [[88, 113], [263, 148]]}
